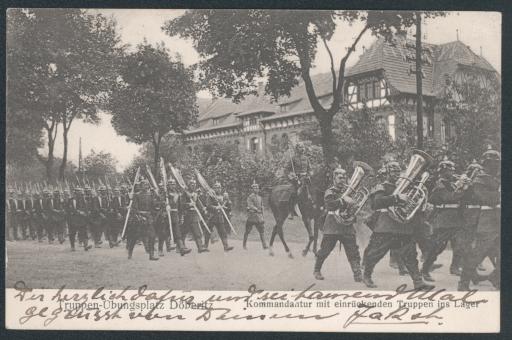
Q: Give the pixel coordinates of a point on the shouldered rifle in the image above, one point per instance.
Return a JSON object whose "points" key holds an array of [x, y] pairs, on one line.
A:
{"points": [[211, 192], [179, 179], [167, 205], [131, 202]]}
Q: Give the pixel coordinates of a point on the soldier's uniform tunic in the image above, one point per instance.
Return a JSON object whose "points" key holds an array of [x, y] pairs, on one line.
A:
{"points": [[485, 190], [13, 206], [216, 218], [255, 218], [76, 209], [23, 217], [40, 217], [115, 220], [48, 204], [59, 217], [29, 208], [97, 218], [189, 218], [335, 231], [390, 234], [141, 224], [446, 220]]}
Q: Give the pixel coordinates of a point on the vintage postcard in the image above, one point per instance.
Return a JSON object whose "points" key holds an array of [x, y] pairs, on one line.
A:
{"points": [[253, 170]]}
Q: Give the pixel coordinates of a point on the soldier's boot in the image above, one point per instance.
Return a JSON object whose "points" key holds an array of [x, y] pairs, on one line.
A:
{"points": [[356, 270], [72, 241], [207, 238], [152, 255], [318, 275], [180, 246], [463, 286], [246, 235], [200, 247], [494, 277], [367, 280], [86, 245], [425, 271], [263, 242], [168, 245], [402, 269], [227, 247]]}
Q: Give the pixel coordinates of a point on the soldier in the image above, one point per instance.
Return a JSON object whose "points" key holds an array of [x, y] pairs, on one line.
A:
{"points": [[10, 217], [389, 234], [189, 218], [446, 217], [97, 215], [40, 216], [76, 208], [297, 171], [174, 201], [335, 230], [29, 209], [59, 215], [162, 223], [486, 191], [215, 205], [48, 214], [23, 216], [142, 219], [115, 218], [13, 208], [255, 215]]}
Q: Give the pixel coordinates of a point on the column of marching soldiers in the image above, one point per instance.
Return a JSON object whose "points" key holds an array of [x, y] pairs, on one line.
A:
{"points": [[464, 210]]}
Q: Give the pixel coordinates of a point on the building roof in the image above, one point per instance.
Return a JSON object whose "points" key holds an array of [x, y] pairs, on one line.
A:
{"points": [[396, 58]]}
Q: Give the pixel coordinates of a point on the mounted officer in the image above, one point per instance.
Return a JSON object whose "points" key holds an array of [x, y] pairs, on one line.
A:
{"points": [[298, 172]]}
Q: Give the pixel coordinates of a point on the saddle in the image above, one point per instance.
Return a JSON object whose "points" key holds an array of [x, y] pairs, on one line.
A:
{"points": [[283, 192]]}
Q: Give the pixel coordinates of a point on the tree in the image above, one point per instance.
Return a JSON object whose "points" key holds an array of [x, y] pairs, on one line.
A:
{"points": [[99, 165], [238, 47], [474, 111], [62, 66], [154, 96], [358, 135]]}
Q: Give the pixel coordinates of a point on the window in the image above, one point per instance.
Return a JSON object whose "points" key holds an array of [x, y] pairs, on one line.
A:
{"points": [[391, 127], [381, 122], [215, 121], [361, 93], [369, 91], [254, 144], [283, 108], [376, 89], [253, 121]]}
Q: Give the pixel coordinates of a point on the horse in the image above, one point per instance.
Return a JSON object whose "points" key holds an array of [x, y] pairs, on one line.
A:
{"points": [[280, 204]]}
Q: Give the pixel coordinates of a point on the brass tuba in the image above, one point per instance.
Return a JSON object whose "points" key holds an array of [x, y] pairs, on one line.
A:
{"points": [[358, 194], [416, 192]]}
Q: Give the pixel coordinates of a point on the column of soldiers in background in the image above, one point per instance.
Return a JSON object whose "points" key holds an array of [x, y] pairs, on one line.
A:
{"points": [[466, 211]]}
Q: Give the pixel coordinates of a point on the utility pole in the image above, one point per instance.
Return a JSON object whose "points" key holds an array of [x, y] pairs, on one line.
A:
{"points": [[419, 84]]}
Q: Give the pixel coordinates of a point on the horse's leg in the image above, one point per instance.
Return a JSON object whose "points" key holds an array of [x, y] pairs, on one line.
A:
{"points": [[307, 224], [280, 233], [272, 237]]}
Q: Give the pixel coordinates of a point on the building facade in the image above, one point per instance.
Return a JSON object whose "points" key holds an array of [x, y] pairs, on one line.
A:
{"points": [[383, 79]]}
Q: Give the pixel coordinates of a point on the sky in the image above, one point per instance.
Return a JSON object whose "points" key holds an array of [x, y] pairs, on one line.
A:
{"points": [[478, 30]]}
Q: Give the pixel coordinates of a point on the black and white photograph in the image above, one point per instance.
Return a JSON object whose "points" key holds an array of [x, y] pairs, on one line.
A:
{"points": [[254, 150]]}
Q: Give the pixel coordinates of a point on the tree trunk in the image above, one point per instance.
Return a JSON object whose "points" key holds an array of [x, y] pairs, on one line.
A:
{"points": [[328, 146], [52, 135], [62, 168]]}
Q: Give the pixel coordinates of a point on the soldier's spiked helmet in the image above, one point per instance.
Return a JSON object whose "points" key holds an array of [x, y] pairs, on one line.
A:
{"points": [[491, 155], [445, 164], [393, 165], [474, 165], [339, 170], [217, 185], [255, 185]]}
